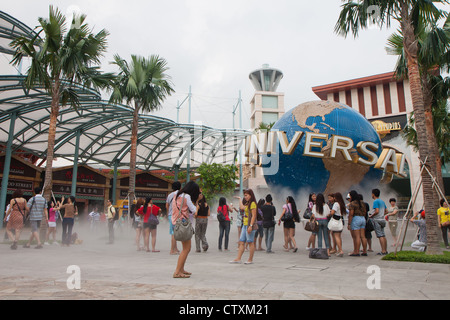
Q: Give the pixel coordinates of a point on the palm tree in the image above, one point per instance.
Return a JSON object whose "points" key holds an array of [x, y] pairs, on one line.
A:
{"points": [[58, 60], [434, 54], [264, 127], [143, 85], [357, 15], [441, 123]]}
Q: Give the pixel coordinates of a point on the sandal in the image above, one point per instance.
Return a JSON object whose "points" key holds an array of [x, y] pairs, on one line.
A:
{"points": [[181, 276], [187, 273]]}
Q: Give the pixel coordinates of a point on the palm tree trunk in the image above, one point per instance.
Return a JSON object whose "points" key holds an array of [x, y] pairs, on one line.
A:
{"points": [[133, 152], [424, 123], [48, 183], [428, 102]]}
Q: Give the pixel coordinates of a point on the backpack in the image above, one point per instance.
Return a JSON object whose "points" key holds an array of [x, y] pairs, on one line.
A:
{"points": [[221, 214], [116, 216], [288, 215]]}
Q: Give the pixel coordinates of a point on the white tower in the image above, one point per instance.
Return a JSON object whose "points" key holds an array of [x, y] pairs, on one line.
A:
{"points": [[266, 106]]}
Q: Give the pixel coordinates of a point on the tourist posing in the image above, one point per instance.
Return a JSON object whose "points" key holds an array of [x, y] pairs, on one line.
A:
{"points": [[392, 213], [249, 226]]}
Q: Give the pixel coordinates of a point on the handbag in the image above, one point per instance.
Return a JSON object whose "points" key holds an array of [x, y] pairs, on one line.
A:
{"points": [[318, 253], [312, 226], [183, 230], [369, 225], [335, 224], [307, 214], [152, 219]]}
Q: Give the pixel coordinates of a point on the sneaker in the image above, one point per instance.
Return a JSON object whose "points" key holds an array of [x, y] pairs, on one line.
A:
{"points": [[46, 243]]}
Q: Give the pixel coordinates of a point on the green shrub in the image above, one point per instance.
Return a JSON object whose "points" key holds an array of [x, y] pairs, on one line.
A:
{"points": [[414, 256]]}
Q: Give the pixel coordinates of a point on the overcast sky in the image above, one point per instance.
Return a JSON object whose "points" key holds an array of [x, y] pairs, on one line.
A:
{"points": [[213, 45]]}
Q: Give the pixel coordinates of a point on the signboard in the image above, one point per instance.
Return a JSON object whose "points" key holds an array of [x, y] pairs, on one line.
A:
{"points": [[84, 175], [144, 194], [146, 180], [81, 191]]}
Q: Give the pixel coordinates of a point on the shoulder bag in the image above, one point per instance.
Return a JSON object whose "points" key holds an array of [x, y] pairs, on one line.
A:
{"points": [[307, 214], [335, 225], [182, 230], [152, 219]]}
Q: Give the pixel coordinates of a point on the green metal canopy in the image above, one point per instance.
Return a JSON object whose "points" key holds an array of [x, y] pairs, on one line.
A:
{"points": [[98, 133], [103, 131], [10, 29]]}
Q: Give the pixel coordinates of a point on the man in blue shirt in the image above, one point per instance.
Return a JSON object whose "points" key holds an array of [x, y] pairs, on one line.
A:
{"points": [[38, 207], [378, 218]]}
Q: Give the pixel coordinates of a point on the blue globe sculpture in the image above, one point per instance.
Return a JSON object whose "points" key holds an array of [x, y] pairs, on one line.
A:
{"points": [[298, 172]]}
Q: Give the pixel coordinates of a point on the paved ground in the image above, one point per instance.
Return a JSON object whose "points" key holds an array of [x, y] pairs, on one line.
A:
{"points": [[119, 271]]}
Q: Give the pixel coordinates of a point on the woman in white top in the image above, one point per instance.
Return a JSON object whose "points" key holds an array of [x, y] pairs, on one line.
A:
{"points": [[320, 212], [338, 211]]}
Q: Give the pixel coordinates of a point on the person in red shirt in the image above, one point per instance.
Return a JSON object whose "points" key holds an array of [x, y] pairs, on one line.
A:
{"points": [[150, 212]]}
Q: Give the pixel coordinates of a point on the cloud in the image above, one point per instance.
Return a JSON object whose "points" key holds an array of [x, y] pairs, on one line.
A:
{"points": [[214, 45]]}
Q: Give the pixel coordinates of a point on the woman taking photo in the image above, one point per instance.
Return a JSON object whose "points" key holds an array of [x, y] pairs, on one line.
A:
{"points": [[70, 211], [184, 204], [249, 226], [289, 216], [357, 224]]}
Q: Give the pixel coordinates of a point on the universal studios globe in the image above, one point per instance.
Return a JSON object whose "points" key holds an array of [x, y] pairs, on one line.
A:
{"points": [[325, 174]]}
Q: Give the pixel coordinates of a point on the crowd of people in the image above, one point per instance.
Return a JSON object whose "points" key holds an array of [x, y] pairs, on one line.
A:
{"points": [[255, 220]]}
